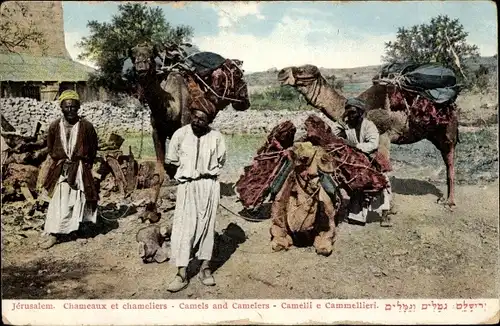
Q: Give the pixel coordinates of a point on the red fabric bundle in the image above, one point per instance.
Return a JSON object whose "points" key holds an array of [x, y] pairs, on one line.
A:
{"points": [[422, 110], [259, 176], [355, 169]]}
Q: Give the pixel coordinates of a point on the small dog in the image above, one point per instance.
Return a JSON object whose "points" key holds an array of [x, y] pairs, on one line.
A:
{"points": [[153, 243]]}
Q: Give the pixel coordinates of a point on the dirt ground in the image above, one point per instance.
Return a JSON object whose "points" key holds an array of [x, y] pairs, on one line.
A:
{"points": [[430, 252]]}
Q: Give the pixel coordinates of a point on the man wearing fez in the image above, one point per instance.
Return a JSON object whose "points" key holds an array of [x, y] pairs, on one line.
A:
{"points": [[362, 134], [199, 153], [72, 144]]}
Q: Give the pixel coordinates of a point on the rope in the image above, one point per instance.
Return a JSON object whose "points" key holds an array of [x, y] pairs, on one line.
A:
{"points": [[254, 252], [114, 219], [266, 253], [223, 97], [211, 90], [142, 134]]}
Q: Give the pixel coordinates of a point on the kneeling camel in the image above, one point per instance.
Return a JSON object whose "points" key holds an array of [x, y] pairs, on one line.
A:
{"points": [[395, 126]]}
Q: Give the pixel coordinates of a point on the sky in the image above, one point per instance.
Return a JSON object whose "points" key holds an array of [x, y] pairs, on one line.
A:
{"points": [[276, 34]]}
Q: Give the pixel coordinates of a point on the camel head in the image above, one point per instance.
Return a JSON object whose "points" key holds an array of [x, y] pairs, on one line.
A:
{"points": [[308, 159], [243, 102], [299, 76], [240, 88], [143, 57]]}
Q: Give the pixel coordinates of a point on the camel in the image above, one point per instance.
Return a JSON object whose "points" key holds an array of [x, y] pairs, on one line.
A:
{"points": [[302, 206], [395, 126], [169, 100]]}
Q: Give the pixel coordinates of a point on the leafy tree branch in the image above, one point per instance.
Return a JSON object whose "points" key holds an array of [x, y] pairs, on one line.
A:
{"points": [[442, 40], [108, 43], [17, 29]]}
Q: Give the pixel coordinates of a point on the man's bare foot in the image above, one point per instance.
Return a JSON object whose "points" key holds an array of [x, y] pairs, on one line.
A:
{"points": [[50, 241]]}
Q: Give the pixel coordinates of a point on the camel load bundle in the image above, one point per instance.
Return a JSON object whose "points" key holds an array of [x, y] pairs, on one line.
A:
{"points": [[425, 91], [352, 170], [208, 73], [307, 181], [210, 69], [217, 77], [25, 161]]}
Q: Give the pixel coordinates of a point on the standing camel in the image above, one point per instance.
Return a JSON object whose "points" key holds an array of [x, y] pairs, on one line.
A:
{"points": [[169, 99], [395, 126]]}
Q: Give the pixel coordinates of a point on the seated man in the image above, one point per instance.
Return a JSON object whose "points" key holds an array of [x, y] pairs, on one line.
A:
{"points": [[362, 134]]}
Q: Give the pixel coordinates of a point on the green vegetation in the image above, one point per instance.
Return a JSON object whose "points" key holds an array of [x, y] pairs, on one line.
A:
{"points": [[240, 148], [442, 40], [287, 98], [108, 43], [134, 141], [278, 98]]}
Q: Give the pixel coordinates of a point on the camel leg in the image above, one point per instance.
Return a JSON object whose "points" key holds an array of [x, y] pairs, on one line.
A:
{"points": [[385, 148], [446, 143], [448, 153], [280, 239], [323, 242], [159, 140]]}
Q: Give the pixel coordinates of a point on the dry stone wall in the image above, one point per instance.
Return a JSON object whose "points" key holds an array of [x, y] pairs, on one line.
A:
{"points": [[24, 113]]}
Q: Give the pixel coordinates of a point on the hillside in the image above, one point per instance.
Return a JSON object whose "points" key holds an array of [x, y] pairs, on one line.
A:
{"points": [[359, 75]]}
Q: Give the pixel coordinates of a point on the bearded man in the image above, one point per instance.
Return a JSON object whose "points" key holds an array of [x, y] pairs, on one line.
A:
{"points": [[362, 134], [199, 153], [72, 143]]}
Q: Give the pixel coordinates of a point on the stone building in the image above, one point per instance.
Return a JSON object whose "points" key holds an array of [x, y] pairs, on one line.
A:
{"points": [[41, 71]]}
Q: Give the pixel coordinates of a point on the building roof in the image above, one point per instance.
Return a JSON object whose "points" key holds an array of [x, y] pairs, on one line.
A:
{"points": [[18, 67]]}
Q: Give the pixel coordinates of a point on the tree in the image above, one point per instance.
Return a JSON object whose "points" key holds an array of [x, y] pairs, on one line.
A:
{"points": [[108, 43], [443, 40], [336, 83], [481, 81], [17, 30]]}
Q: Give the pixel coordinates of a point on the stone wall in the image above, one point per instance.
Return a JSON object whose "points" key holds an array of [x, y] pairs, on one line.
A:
{"points": [[127, 116], [24, 113]]}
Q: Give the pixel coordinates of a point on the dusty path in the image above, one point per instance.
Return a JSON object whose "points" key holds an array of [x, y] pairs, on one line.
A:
{"points": [[429, 253]]}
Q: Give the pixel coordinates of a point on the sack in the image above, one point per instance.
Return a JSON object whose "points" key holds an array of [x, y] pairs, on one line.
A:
{"points": [[205, 62], [397, 68], [431, 80], [430, 76], [441, 95]]}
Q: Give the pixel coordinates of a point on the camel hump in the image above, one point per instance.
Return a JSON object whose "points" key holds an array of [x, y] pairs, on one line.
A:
{"points": [[206, 62]]}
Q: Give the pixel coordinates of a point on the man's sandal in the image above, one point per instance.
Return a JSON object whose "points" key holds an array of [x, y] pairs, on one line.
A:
{"points": [[179, 283], [206, 277], [385, 222]]}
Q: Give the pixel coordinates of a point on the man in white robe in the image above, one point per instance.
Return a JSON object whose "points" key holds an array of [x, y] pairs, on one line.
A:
{"points": [[362, 134], [72, 144], [199, 153]]}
